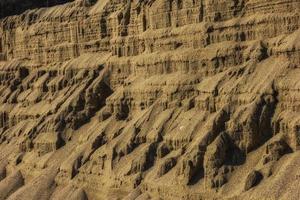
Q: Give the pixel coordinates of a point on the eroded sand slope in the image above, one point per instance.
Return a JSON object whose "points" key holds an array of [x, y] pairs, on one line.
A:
{"points": [[151, 99]]}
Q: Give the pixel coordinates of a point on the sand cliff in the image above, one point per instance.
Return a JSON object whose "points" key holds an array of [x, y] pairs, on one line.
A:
{"points": [[150, 99]]}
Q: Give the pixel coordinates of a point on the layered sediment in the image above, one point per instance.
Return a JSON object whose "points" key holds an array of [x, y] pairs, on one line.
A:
{"points": [[153, 99]]}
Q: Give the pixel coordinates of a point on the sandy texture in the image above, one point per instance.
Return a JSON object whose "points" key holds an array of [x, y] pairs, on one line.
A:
{"points": [[151, 99]]}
